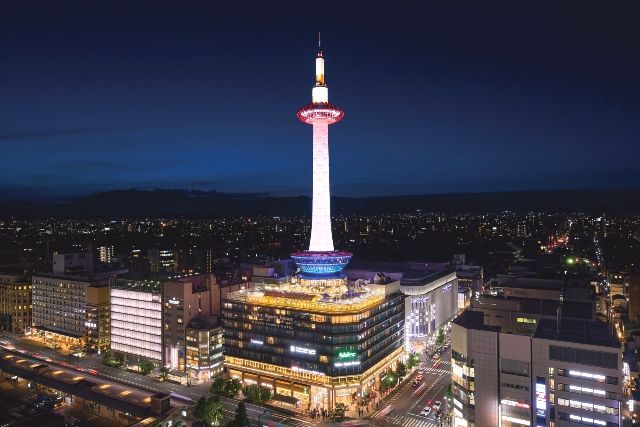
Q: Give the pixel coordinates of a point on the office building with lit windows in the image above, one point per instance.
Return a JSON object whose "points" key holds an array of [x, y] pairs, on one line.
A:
{"points": [[317, 338], [71, 312], [204, 355], [431, 291], [535, 362], [151, 319], [15, 303]]}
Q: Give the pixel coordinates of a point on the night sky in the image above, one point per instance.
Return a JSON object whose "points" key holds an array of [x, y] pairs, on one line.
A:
{"points": [[439, 97]]}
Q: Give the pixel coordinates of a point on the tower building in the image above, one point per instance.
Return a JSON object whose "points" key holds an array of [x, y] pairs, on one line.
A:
{"points": [[315, 339], [321, 259]]}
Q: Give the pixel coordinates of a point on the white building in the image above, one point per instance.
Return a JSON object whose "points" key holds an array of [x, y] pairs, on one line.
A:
{"points": [[136, 319]]}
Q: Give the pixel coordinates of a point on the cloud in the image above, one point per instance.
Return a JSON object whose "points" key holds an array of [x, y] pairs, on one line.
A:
{"points": [[8, 136]]}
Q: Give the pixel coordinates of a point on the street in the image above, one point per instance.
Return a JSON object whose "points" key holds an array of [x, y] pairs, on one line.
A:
{"points": [[403, 406]]}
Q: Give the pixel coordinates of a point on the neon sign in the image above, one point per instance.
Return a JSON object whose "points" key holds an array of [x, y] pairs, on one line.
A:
{"points": [[346, 354], [541, 400]]}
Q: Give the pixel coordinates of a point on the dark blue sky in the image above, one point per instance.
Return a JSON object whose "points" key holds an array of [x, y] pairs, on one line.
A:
{"points": [[441, 96]]}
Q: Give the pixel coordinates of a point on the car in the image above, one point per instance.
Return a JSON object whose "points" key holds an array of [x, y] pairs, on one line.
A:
{"points": [[437, 405], [419, 377], [421, 371], [436, 356], [415, 383], [426, 411]]}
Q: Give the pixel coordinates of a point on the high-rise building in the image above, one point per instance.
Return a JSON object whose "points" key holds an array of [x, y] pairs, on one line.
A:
{"points": [[70, 311], [315, 339], [162, 259], [15, 303], [106, 254], [70, 306], [204, 355], [151, 319], [136, 319], [539, 359]]}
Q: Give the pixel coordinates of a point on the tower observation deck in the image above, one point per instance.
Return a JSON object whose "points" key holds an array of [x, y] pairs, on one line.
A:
{"points": [[321, 260]]}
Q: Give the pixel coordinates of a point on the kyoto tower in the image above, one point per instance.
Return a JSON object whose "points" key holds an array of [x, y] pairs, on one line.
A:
{"points": [[321, 260]]}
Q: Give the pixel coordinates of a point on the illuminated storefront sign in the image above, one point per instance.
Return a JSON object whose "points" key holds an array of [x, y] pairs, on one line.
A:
{"points": [[257, 342], [306, 371], [174, 301], [344, 364], [517, 420], [541, 400], [346, 354], [514, 403], [302, 350]]}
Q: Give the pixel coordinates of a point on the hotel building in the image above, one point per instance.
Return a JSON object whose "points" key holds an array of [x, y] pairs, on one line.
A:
{"points": [[71, 311]]}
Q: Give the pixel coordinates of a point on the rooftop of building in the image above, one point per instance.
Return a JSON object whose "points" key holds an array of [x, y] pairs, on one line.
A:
{"points": [[152, 282], [311, 295], [577, 331], [412, 273], [538, 306], [204, 322], [470, 319], [87, 386], [541, 282]]}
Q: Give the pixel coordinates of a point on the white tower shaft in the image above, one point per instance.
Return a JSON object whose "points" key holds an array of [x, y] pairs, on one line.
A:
{"points": [[321, 237]]}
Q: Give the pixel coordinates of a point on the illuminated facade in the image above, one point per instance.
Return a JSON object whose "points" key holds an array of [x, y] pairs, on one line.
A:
{"points": [[555, 375], [204, 349], [66, 314], [97, 324], [315, 339], [136, 319], [321, 258], [151, 316], [320, 343], [15, 303], [432, 300]]}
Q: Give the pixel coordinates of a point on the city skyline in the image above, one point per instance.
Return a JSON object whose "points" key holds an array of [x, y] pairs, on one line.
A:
{"points": [[475, 99]]}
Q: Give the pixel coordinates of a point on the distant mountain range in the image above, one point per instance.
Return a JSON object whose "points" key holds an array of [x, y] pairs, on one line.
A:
{"points": [[201, 204]]}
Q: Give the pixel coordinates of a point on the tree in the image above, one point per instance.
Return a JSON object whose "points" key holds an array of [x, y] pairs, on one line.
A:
{"points": [[265, 394], [109, 360], [389, 381], [440, 338], [448, 394], [146, 366], [233, 387], [241, 418], [164, 372], [338, 411], [200, 408], [218, 386], [209, 410], [401, 370], [413, 360]]}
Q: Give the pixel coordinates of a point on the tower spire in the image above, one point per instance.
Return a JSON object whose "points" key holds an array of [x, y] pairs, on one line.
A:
{"points": [[319, 41]]}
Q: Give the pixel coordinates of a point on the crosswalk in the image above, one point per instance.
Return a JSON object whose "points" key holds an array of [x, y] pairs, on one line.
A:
{"points": [[438, 371], [411, 421]]}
